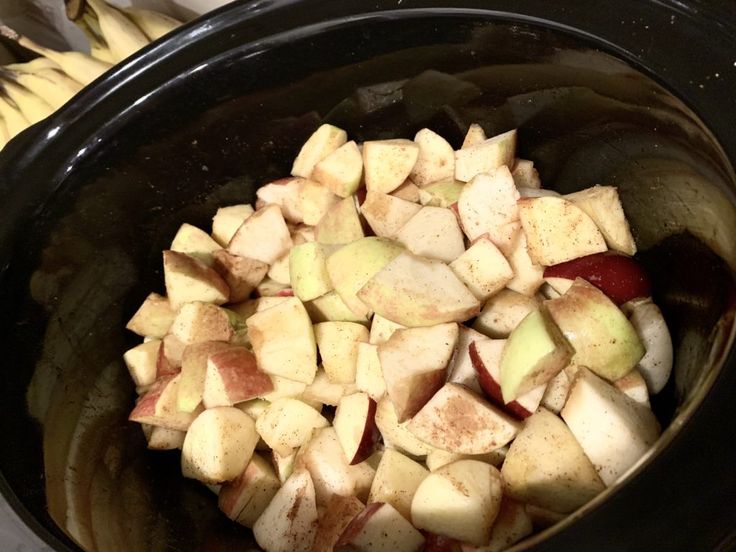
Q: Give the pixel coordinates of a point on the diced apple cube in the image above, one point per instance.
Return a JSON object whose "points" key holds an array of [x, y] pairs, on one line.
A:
{"points": [[555, 393], [284, 193], [602, 204], [368, 373], [308, 270], [279, 271], [227, 220], [153, 318], [433, 233], [141, 361], [324, 391], [341, 170], [436, 159], [158, 406], [232, 376], [316, 200], [461, 368], [197, 322], [634, 386], [240, 274], [188, 279], [397, 479], [503, 312], [324, 140], [338, 348], [397, 434], [525, 175], [408, 191], [287, 424], [382, 329], [355, 426], [340, 225], [444, 193], [528, 276], [337, 515], [163, 438], [512, 524], [380, 527], [486, 156], [475, 135], [483, 269], [195, 243], [331, 308], [388, 163], [264, 236], [387, 214], [245, 498]]}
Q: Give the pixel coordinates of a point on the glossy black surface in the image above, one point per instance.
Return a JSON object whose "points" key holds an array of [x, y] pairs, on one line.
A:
{"points": [[92, 196]]}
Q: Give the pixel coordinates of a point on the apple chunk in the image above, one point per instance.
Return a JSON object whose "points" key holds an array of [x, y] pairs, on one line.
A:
{"points": [[324, 458], [388, 163], [534, 353], [460, 500], [188, 279], [240, 274], [141, 362], [233, 376], [485, 156], [414, 364], [308, 270], [287, 424], [436, 160], [197, 322], [288, 524], [355, 426], [475, 135], [395, 434], [503, 312], [512, 524], [337, 515], [414, 291], [153, 318], [457, 420], [603, 338], [380, 528], [158, 406], [527, 276], [650, 325], [546, 466], [283, 341], [245, 498], [558, 231], [315, 200], [338, 348], [368, 373], [461, 368], [193, 373], [397, 479], [341, 170], [483, 269], [433, 233], [219, 444], [324, 140], [264, 236], [602, 204], [195, 243], [386, 214], [227, 220], [284, 193], [613, 430], [341, 224]]}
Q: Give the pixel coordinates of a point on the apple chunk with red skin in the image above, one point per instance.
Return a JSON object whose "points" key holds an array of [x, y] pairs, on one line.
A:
{"points": [[233, 376], [380, 527], [355, 425], [414, 364], [620, 277]]}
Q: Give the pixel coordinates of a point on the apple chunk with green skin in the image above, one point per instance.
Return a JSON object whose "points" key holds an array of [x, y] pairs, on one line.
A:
{"points": [[534, 353], [227, 220], [338, 348], [341, 170], [483, 269], [414, 364], [460, 500], [355, 426], [436, 159], [153, 318], [322, 142], [246, 497], [264, 236], [219, 444], [337, 515], [486, 156], [457, 420], [397, 479], [613, 430], [388, 163], [547, 467], [287, 424], [193, 373], [603, 338], [158, 406], [353, 265], [308, 270], [283, 341], [558, 231], [233, 376], [414, 291], [433, 233], [195, 243], [188, 279], [387, 214], [380, 528], [288, 524]]}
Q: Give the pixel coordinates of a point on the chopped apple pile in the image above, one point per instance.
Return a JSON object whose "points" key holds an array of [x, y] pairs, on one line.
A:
{"points": [[403, 346]]}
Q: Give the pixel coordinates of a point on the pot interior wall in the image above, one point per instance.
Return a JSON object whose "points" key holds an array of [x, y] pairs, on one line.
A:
{"points": [[211, 137]]}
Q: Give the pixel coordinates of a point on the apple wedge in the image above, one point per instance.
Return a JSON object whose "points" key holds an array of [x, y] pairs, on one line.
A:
{"points": [[656, 364], [353, 265], [395, 434], [380, 528], [556, 391], [194, 372], [613, 430], [279, 271], [284, 193], [340, 225], [324, 458], [457, 420], [264, 236], [195, 243], [408, 191], [546, 466], [483, 269], [414, 364], [315, 201], [461, 368], [170, 356], [322, 142], [287, 424], [232, 376], [355, 426], [634, 386], [475, 135], [188, 279], [602, 204], [558, 231], [288, 524], [162, 438], [527, 276], [337, 515], [197, 322], [324, 391], [525, 175], [141, 361], [368, 373], [433, 233], [589, 320], [308, 270], [436, 159], [503, 312], [331, 308], [386, 214], [397, 479], [444, 193], [341, 170], [153, 318], [486, 156], [283, 341], [227, 220], [438, 458], [511, 525], [382, 329], [388, 163], [338, 348], [246, 497], [158, 406], [218, 446], [460, 500], [240, 274], [414, 291], [535, 352], [488, 205]]}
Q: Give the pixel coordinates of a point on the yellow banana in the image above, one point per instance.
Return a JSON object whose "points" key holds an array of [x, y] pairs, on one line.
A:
{"points": [[120, 33], [81, 67], [34, 65], [15, 122], [61, 79], [152, 23], [97, 45], [4, 137], [55, 92], [33, 107]]}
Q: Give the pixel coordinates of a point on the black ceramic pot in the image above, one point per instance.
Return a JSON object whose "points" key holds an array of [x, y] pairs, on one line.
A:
{"points": [[638, 94]]}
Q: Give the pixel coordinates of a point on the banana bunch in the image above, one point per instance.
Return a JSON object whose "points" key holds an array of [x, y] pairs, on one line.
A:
{"points": [[30, 92]]}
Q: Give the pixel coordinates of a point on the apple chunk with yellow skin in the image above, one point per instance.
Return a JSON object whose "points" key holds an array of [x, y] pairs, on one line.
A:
{"points": [[414, 364], [287, 424], [387, 214], [557, 230], [603, 338], [414, 291], [337, 515], [227, 220], [460, 500], [308, 270], [338, 348], [353, 265], [195, 243], [283, 341], [246, 497], [264, 236], [341, 170], [188, 279], [534, 353], [232, 376], [433, 233], [444, 193], [219, 444], [397, 479], [458, 420], [322, 142], [602, 204], [288, 524], [547, 467], [388, 163], [153, 318], [485, 156], [436, 159], [380, 527]]}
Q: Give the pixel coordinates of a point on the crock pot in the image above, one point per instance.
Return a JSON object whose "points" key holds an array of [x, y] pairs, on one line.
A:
{"points": [[637, 93]]}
